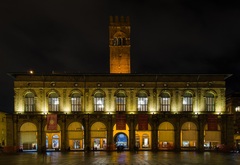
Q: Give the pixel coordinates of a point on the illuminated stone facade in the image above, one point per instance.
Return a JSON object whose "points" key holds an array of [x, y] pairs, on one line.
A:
{"points": [[120, 109], [171, 126], [2, 129]]}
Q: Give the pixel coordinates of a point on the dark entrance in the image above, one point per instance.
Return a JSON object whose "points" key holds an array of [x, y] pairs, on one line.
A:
{"points": [[121, 140]]}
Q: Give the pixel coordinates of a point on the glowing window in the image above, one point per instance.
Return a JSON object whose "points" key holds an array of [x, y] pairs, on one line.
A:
{"points": [[99, 102], [76, 102], [187, 102], [164, 102], [237, 109], [142, 102], [121, 102], [210, 102], [53, 102], [29, 103]]}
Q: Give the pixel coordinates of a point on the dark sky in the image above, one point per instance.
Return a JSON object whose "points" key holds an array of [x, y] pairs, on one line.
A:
{"points": [[167, 36]]}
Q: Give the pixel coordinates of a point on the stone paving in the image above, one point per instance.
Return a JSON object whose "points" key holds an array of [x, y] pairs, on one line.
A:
{"points": [[120, 158]]}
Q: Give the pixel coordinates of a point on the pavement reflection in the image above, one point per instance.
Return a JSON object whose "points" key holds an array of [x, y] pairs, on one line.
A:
{"points": [[120, 158]]}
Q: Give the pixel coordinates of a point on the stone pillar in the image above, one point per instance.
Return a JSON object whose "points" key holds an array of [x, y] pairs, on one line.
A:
{"points": [[131, 132], [154, 133], [9, 129], [40, 131], [63, 132], [109, 133], [16, 138], [177, 134], [200, 134], [222, 122], [87, 131], [43, 133]]}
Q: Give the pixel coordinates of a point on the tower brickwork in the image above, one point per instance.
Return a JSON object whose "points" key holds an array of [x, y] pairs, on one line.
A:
{"points": [[119, 44]]}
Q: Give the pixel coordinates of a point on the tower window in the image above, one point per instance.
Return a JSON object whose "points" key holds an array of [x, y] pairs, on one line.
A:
{"points": [[118, 41]]}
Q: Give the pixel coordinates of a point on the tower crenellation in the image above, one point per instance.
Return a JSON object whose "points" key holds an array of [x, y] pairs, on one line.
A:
{"points": [[119, 20]]}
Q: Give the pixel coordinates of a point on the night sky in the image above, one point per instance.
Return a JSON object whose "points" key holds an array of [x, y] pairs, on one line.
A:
{"points": [[167, 37]]}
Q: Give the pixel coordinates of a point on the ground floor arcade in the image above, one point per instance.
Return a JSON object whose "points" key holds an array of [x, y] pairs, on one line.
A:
{"points": [[99, 132]]}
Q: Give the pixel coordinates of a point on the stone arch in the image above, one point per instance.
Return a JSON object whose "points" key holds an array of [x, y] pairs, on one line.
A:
{"points": [[165, 91], [189, 135], [52, 91], [122, 91], [98, 136], [142, 92], [28, 136], [75, 134], [29, 91], [75, 91], [98, 91], [166, 136]]}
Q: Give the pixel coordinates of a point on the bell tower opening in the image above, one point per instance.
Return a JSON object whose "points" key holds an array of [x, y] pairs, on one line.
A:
{"points": [[119, 44]]}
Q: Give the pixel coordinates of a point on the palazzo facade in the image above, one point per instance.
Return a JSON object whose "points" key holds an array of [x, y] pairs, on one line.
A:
{"points": [[120, 109]]}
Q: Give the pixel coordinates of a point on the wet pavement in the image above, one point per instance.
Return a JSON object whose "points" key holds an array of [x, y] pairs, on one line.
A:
{"points": [[120, 158]]}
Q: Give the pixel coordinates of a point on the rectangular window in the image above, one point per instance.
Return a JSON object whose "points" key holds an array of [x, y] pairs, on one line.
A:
{"points": [[29, 104], [76, 104], [53, 104], [98, 104], [142, 104], [187, 104], [165, 104], [210, 105], [120, 104]]}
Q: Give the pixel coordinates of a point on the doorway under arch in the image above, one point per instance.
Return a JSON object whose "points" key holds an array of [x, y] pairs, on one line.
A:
{"points": [[189, 136], [143, 138], [212, 138], [98, 136], [53, 139], [28, 137], [75, 136], [166, 136], [121, 140]]}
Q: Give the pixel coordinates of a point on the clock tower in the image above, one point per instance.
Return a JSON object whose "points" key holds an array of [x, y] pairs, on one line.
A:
{"points": [[119, 44]]}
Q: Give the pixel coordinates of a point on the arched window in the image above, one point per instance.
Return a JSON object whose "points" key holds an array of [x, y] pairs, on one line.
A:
{"points": [[142, 101], [29, 102], [76, 102], [53, 102], [120, 101], [115, 42], [164, 102], [119, 41], [187, 102], [99, 101], [209, 102]]}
